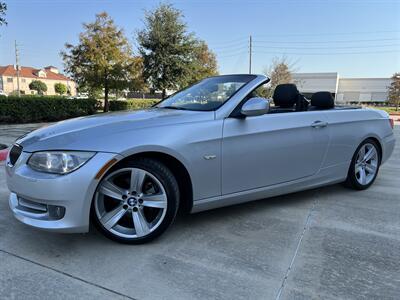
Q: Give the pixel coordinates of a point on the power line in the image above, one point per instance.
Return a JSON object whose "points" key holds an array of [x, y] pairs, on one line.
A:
{"points": [[232, 55], [235, 41], [330, 34], [327, 53], [243, 46], [329, 48], [325, 42]]}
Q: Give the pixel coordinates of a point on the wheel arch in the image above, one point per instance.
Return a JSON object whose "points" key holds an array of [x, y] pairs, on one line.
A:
{"points": [[378, 142], [179, 170]]}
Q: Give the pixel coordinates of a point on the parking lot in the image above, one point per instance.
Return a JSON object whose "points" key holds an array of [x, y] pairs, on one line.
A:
{"points": [[326, 243]]}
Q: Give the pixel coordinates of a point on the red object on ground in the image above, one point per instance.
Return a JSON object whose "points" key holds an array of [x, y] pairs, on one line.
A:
{"points": [[3, 154]]}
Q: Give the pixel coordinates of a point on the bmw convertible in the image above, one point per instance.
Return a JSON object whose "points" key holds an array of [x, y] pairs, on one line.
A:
{"points": [[213, 144]]}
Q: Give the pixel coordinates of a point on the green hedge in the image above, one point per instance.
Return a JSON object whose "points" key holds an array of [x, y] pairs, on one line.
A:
{"points": [[44, 108], [132, 104]]}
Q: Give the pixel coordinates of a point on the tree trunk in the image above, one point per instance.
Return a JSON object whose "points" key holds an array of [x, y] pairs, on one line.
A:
{"points": [[106, 91], [164, 93]]}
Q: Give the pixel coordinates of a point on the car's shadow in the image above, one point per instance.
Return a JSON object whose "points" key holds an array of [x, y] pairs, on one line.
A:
{"points": [[186, 224]]}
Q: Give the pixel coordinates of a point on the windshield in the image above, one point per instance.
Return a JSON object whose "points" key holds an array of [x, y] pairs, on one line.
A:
{"points": [[208, 94]]}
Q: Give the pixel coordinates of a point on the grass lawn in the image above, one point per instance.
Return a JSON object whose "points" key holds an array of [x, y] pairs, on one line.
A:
{"points": [[140, 99]]}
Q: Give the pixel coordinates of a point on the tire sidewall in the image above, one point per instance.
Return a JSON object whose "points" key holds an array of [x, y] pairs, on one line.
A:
{"points": [[166, 178]]}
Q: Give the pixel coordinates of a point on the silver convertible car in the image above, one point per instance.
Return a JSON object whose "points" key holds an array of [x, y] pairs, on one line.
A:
{"points": [[213, 144]]}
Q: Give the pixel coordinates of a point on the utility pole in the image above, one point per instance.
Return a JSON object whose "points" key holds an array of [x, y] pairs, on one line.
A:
{"points": [[250, 53], [17, 66]]}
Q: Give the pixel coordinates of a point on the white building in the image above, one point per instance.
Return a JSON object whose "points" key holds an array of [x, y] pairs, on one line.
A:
{"points": [[344, 90]]}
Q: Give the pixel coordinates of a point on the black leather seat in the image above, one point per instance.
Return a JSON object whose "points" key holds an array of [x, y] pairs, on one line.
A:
{"points": [[321, 101], [287, 98]]}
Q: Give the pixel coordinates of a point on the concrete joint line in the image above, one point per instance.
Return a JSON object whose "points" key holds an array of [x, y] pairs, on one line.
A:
{"points": [[66, 274], [306, 226]]}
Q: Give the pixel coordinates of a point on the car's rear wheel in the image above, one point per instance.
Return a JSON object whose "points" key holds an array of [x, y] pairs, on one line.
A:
{"points": [[364, 165], [136, 202]]}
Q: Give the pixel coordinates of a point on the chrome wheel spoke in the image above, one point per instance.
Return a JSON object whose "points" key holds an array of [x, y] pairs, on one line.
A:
{"points": [[358, 169], [112, 217], [363, 176], [370, 154], [109, 189], [361, 154], [370, 168], [155, 200], [137, 179], [142, 227]]}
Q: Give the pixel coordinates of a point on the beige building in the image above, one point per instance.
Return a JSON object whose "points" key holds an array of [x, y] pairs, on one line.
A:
{"points": [[49, 75], [345, 90]]}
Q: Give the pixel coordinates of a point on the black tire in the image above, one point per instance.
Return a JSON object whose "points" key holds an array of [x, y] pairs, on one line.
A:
{"points": [[170, 185], [351, 180]]}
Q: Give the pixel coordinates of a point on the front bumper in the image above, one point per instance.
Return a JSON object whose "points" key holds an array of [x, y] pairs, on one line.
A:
{"points": [[68, 195]]}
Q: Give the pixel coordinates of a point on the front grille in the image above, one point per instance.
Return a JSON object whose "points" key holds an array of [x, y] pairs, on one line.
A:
{"points": [[15, 152]]}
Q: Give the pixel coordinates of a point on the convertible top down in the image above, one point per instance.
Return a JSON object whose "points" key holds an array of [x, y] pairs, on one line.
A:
{"points": [[213, 144]]}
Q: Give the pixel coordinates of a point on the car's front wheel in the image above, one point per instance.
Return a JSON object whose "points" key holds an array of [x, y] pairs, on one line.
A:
{"points": [[136, 202], [364, 165]]}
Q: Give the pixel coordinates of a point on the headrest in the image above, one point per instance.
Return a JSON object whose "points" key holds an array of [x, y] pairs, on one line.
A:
{"points": [[285, 95], [322, 100]]}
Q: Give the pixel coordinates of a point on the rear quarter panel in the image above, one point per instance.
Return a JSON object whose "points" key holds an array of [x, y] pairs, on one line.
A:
{"points": [[348, 128]]}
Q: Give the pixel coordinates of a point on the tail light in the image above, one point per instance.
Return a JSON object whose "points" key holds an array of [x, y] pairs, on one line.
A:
{"points": [[391, 121]]}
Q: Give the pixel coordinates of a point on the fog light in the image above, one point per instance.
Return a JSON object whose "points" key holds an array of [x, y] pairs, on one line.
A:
{"points": [[56, 212]]}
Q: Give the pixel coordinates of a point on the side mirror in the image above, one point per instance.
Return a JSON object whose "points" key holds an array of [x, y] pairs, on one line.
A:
{"points": [[255, 107]]}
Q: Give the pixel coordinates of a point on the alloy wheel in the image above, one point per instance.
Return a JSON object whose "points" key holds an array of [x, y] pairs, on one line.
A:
{"points": [[366, 164], [130, 203]]}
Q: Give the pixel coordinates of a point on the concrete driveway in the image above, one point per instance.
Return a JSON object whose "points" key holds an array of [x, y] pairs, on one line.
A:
{"points": [[326, 243]]}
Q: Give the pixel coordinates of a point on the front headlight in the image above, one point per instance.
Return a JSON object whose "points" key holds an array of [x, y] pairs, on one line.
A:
{"points": [[58, 162]]}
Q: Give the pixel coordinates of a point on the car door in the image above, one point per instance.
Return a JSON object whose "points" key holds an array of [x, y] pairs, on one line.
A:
{"points": [[270, 149]]}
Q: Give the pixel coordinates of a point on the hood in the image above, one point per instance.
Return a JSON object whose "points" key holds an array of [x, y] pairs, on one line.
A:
{"points": [[79, 133]]}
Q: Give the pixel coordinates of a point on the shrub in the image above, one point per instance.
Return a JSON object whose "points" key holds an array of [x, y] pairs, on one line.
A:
{"points": [[44, 108], [60, 88], [132, 104], [39, 86]]}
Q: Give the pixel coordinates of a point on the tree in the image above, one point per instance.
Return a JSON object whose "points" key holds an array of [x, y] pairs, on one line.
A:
{"points": [[166, 48], [394, 90], [60, 88], [203, 63], [279, 72], [39, 86], [103, 59], [3, 8]]}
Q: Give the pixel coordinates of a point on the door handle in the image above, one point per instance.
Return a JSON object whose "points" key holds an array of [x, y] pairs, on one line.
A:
{"points": [[319, 124]]}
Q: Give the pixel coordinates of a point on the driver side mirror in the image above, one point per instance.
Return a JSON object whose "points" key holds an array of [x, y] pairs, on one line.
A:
{"points": [[256, 106]]}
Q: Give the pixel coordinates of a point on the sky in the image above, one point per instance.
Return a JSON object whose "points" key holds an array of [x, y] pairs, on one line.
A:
{"points": [[356, 38]]}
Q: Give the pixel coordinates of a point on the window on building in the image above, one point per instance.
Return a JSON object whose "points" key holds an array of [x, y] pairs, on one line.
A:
{"points": [[9, 79], [23, 80]]}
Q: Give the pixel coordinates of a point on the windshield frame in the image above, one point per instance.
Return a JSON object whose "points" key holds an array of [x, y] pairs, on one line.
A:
{"points": [[250, 76]]}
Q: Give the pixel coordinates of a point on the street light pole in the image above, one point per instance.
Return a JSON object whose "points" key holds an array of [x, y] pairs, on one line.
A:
{"points": [[17, 66], [250, 53]]}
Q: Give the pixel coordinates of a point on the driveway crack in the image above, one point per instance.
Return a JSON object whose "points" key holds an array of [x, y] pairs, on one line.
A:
{"points": [[305, 228], [66, 274]]}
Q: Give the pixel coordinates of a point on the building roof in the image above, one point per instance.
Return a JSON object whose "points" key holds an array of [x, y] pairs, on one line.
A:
{"points": [[29, 72]]}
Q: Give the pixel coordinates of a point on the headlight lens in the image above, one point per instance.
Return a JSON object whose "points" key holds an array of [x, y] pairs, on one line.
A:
{"points": [[58, 162]]}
